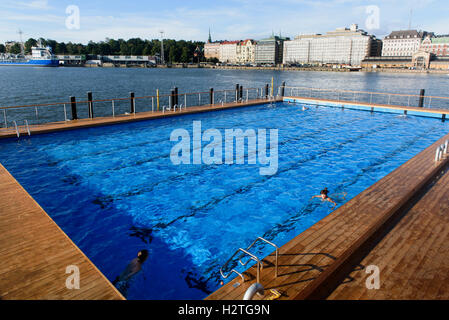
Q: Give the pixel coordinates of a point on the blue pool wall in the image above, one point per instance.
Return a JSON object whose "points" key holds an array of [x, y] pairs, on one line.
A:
{"points": [[364, 108]]}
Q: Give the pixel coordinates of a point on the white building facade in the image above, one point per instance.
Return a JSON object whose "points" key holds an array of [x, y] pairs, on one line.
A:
{"points": [[402, 43], [228, 51], [246, 51], [342, 46], [212, 50]]}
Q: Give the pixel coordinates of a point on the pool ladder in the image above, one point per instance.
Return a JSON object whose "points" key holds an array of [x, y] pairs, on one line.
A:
{"points": [[245, 252], [441, 151], [17, 128]]}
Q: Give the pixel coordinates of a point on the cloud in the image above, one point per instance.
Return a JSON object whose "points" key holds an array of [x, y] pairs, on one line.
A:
{"points": [[30, 5], [231, 20]]}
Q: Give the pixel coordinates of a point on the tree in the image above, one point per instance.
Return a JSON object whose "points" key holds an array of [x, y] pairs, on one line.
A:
{"points": [[15, 48], [30, 43], [124, 49], [172, 54], [185, 55], [174, 51], [2, 48]]}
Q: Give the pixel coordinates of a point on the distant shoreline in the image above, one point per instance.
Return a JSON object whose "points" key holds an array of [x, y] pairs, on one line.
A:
{"points": [[319, 69]]}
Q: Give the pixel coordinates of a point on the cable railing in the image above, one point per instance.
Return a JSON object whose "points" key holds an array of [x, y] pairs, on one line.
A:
{"points": [[36, 114], [382, 98]]}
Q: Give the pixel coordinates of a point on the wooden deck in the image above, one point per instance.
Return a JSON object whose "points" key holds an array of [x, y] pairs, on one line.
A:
{"points": [[413, 258], [314, 265], [100, 121], [34, 253], [316, 262]]}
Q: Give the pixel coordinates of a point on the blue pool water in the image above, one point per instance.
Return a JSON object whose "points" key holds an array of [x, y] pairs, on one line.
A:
{"points": [[114, 190]]}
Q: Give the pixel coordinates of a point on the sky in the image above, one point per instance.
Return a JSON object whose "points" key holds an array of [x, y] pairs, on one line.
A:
{"points": [[227, 19]]}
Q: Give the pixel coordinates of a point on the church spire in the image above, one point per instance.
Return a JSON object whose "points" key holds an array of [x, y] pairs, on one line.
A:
{"points": [[210, 38]]}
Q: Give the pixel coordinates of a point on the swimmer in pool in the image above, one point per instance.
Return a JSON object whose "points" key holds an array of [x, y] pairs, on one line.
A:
{"points": [[122, 282], [304, 108], [324, 197]]}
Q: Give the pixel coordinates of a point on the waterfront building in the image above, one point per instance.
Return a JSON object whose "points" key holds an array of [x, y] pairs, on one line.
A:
{"points": [[9, 45], [341, 46], [403, 43], [72, 60], [246, 51], [228, 51], [436, 45], [130, 60], [270, 50], [212, 50]]}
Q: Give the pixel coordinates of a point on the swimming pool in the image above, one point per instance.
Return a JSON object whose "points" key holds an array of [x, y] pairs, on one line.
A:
{"points": [[114, 190]]}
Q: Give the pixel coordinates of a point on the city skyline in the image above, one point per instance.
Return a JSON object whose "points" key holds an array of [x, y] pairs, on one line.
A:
{"points": [[235, 19]]}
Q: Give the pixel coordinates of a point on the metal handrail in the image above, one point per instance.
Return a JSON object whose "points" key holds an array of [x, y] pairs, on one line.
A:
{"points": [[272, 244], [17, 129], [116, 99], [27, 127], [253, 257], [366, 92]]}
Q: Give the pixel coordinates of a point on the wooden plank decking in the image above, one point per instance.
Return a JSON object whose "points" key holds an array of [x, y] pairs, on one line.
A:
{"points": [[311, 265], [34, 253], [314, 263], [100, 121], [413, 258]]}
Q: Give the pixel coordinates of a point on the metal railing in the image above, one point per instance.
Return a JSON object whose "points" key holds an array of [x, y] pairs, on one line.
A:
{"points": [[36, 114], [382, 98], [271, 244], [441, 151], [252, 257]]}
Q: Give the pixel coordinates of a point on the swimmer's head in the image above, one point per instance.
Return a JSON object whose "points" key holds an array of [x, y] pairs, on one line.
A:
{"points": [[142, 255], [324, 192]]}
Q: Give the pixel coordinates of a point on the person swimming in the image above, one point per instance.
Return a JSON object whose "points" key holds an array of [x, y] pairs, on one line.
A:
{"points": [[122, 282], [324, 197]]}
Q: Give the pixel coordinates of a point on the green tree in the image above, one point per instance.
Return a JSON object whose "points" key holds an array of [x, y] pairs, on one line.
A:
{"points": [[15, 48], [2, 48], [174, 51], [172, 54], [124, 49], [30, 43], [185, 55]]}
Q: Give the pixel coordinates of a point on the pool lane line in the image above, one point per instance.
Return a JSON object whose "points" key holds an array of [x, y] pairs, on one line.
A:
{"points": [[306, 135], [138, 190], [121, 148], [129, 146], [244, 189], [344, 184]]}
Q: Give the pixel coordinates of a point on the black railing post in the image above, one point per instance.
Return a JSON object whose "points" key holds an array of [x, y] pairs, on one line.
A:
{"points": [[90, 105], [283, 89], [266, 91], [132, 106], [421, 98], [73, 104], [211, 96], [176, 96], [241, 92], [237, 86], [172, 98]]}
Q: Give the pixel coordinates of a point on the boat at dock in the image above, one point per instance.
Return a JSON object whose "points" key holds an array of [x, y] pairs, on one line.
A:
{"points": [[40, 57]]}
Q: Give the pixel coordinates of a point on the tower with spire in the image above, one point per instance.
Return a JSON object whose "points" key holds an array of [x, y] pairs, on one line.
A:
{"points": [[209, 40]]}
